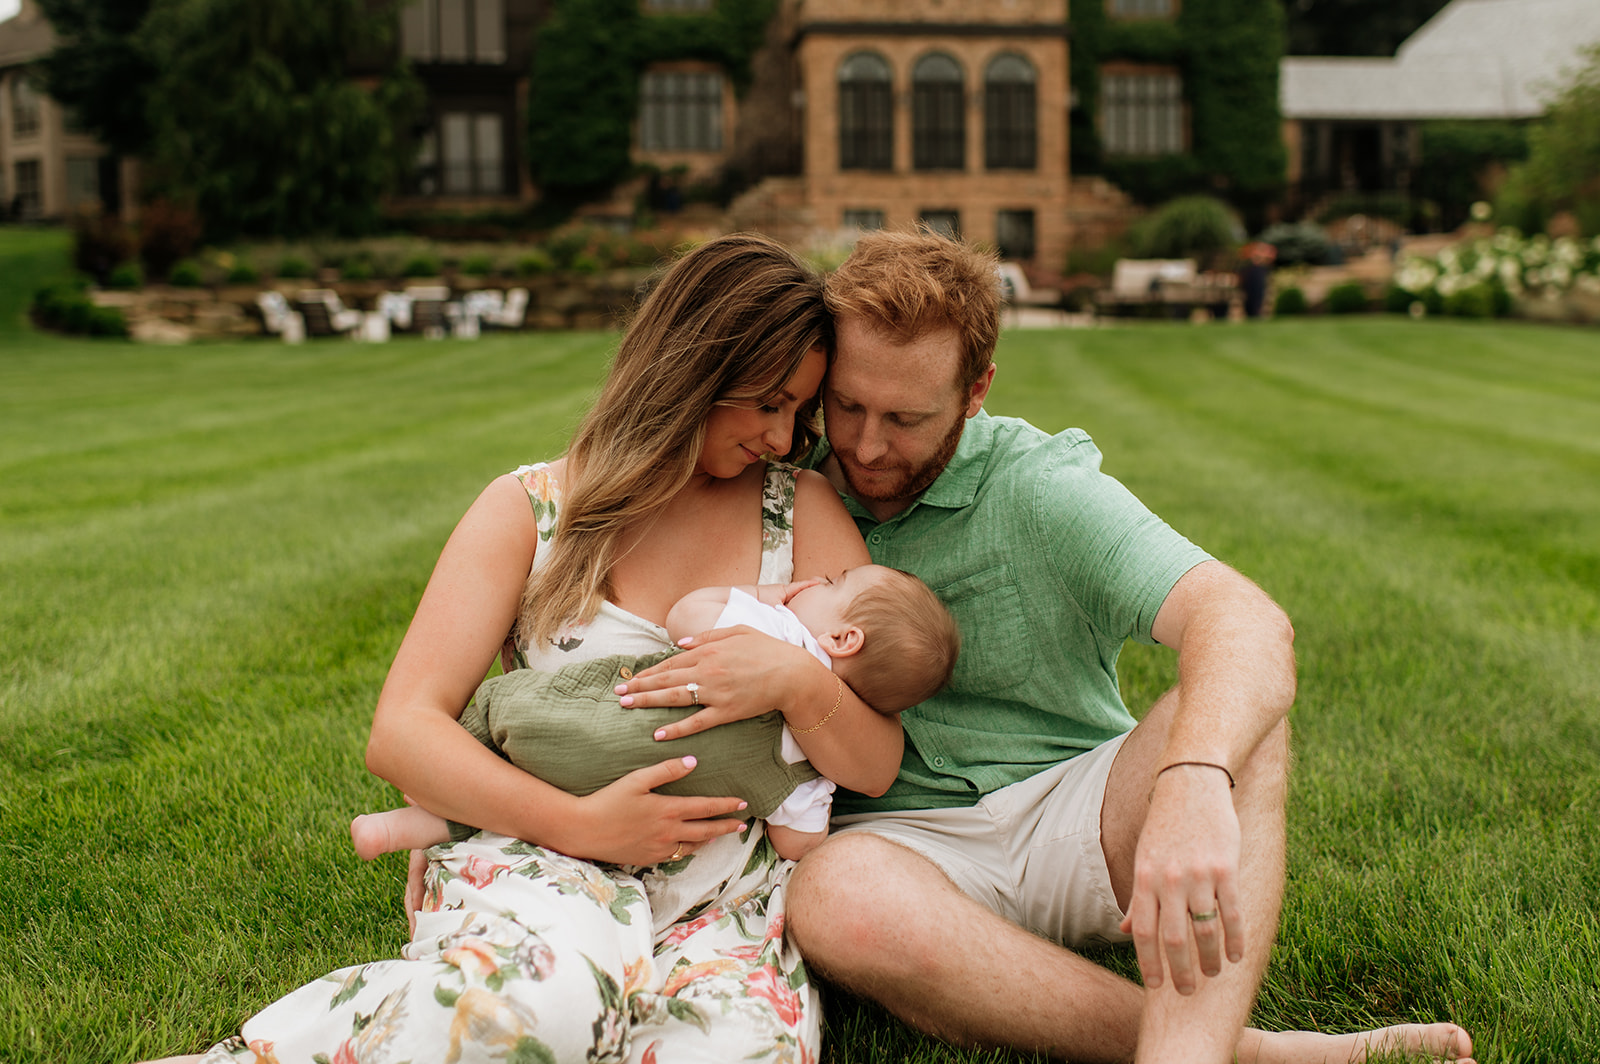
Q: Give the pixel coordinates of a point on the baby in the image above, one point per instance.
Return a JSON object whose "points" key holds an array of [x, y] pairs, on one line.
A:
{"points": [[882, 631]]}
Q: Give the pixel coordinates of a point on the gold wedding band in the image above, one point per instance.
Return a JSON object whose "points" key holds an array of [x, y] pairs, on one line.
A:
{"points": [[694, 691], [1201, 918], [676, 853]]}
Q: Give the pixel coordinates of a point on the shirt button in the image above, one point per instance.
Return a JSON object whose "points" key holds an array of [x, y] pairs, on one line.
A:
{"points": [[625, 672], [877, 537], [938, 762]]}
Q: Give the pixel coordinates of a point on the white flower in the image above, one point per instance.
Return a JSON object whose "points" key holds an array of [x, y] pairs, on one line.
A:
{"points": [[1482, 212], [1511, 274], [1567, 252], [1559, 275]]}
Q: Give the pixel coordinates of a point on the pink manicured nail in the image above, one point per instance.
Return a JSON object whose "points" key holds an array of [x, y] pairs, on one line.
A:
{"points": [[626, 700], [686, 640], [744, 805], [690, 762], [620, 689], [662, 734]]}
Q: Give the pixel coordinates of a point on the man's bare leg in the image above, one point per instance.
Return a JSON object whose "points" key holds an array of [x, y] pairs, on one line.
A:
{"points": [[1204, 1025], [884, 922]]}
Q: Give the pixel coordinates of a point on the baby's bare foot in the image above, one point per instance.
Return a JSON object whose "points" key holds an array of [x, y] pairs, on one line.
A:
{"points": [[1406, 1041], [370, 833]]}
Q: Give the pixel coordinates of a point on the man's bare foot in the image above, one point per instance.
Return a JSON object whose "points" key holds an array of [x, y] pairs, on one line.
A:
{"points": [[1413, 1041], [370, 833]]}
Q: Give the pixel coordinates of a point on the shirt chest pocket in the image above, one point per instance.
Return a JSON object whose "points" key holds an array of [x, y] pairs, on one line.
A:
{"points": [[997, 645]]}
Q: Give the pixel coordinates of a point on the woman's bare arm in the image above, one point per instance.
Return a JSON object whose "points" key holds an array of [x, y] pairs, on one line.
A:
{"points": [[417, 745]]}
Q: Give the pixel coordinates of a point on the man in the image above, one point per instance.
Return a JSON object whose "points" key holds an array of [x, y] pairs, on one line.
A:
{"points": [[1030, 815]]}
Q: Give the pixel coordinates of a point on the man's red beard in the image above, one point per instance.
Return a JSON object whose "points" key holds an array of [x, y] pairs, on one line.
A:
{"points": [[916, 480]]}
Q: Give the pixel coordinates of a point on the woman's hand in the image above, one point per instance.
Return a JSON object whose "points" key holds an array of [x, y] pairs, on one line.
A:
{"points": [[738, 673], [628, 823]]}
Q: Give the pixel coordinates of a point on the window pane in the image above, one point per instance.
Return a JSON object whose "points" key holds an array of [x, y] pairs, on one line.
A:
{"points": [[83, 182], [938, 114], [945, 222], [863, 218], [680, 111], [489, 156], [457, 150], [25, 107], [1010, 137], [864, 66], [489, 32], [26, 185], [1013, 232], [453, 31], [1142, 114], [417, 20]]}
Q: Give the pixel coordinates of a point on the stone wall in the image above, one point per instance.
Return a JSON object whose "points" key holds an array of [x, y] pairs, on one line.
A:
{"points": [[163, 314]]}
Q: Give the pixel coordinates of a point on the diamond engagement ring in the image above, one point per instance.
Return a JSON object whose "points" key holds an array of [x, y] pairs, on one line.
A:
{"points": [[694, 691]]}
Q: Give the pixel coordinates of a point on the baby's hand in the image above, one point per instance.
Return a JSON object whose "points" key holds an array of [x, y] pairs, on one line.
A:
{"points": [[780, 594]]}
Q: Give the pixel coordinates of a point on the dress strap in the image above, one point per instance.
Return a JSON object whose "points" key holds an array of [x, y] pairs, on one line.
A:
{"points": [[544, 494], [777, 523]]}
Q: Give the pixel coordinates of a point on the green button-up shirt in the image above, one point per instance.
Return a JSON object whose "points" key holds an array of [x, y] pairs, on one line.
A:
{"points": [[1049, 566]]}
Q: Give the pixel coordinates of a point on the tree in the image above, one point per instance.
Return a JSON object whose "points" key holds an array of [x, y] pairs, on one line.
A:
{"points": [[1563, 168], [583, 94], [1354, 27], [257, 121], [101, 68], [1232, 72]]}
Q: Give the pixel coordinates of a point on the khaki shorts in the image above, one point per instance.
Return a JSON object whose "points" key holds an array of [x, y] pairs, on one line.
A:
{"points": [[1030, 852]]}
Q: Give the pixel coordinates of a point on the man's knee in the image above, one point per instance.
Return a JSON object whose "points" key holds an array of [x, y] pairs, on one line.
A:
{"points": [[852, 901]]}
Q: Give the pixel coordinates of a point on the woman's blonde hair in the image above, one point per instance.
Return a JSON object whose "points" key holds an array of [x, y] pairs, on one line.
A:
{"points": [[727, 325]]}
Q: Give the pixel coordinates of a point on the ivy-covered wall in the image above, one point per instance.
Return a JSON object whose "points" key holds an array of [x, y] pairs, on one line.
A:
{"points": [[584, 88], [1228, 53]]}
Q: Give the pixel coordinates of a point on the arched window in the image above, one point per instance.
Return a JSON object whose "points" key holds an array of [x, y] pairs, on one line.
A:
{"points": [[866, 114], [1010, 123], [938, 114]]}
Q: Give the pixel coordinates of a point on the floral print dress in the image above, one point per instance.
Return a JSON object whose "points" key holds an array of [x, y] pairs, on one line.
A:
{"points": [[526, 956]]}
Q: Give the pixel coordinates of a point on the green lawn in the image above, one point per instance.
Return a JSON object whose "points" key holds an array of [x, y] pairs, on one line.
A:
{"points": [[208, 555]]}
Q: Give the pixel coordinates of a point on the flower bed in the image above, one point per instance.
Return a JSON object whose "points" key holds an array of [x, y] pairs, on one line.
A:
{"points": [[1535, 277]]}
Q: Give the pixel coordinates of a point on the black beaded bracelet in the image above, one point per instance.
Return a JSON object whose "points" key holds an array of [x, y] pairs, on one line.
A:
{"points": [[1204, 764]]}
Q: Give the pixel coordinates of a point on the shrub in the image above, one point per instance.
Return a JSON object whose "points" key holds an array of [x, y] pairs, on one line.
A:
{"points": [[243, 273], [128, 275], [477, 266], [1347, 298], [356, 270], [186, 274], [1187, 227], [66, 306], [101, 243], [1301, 243], [292, 267], [423, 265], [1397, 300], [168, 234], [535, 262], [1289, 301], [1472, 302]]}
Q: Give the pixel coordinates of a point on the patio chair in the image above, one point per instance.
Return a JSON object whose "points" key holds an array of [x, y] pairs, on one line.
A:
{"points": [[325, 313]]}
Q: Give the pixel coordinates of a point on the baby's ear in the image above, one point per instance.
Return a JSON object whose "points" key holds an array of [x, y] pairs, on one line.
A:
{"points": [[843, 643]]}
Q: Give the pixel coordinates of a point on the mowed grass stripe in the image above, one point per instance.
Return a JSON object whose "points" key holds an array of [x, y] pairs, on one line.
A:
{"points": [[190, 659]]}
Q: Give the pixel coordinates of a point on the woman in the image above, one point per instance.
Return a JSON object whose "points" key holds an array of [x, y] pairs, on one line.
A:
{"points": [[672, 947]]}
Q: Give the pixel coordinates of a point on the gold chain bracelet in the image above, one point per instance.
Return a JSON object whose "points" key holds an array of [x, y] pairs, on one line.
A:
{"points": [[838, 700]]}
